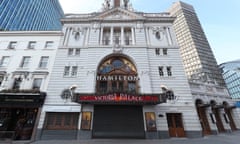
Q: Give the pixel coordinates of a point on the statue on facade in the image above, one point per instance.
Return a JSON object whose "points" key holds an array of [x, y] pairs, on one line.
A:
{"points": [[107, 3], [126, 3]]}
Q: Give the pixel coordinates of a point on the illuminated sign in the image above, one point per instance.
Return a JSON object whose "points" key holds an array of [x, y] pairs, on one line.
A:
{"points": [[120, 98]]}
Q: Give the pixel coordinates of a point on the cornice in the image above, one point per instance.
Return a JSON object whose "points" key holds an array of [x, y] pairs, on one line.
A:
{"points": [[31, 33]]}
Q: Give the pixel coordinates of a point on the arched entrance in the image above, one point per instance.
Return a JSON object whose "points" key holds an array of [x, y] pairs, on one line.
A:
{"points": [[201, 110], [117, 74], [117, 81], [216, 111], [229, 118]]}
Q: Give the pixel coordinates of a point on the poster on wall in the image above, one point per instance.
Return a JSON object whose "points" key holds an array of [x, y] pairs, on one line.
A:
{"points": [[86, 120], [150, 121]]}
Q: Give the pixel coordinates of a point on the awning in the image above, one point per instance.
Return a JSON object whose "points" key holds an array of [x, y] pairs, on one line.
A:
{"points": [[120, 98], [204, 105], [217, 106], [22, 99]]}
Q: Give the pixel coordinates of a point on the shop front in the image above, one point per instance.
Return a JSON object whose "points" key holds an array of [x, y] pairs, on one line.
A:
{"points": [[19, 113]]}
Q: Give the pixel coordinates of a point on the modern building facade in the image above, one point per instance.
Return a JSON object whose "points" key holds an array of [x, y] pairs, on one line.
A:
{"points": [[24, 15], [119, 74], [26, 61], [198, 58], [231, 75]]}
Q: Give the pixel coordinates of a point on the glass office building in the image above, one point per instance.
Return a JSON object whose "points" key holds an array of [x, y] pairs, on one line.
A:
{"points": [[22, 15], [231, 74]]}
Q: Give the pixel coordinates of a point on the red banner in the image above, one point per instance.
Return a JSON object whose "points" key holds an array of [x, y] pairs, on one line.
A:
{"points": [[119, 98]]}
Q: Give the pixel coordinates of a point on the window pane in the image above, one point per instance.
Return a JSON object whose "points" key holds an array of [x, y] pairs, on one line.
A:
{"points": [[161, 71], [43, 62], [74, 70], [32, 44], [1, 79], [77, 52], [169, 71], [70, 51], [157, 51], [17, 83], [4, 61], [103, 86], [25, 62], [131, 87], [49, 44], [164, 51], [12, 45], [37, 83], [66, 70]]}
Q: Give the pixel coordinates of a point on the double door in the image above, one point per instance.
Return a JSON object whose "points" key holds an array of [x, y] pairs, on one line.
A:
{"points": [[175, 125]]}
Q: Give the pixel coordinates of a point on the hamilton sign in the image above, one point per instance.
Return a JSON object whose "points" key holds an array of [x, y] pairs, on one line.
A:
{"points": [[117, 78]]}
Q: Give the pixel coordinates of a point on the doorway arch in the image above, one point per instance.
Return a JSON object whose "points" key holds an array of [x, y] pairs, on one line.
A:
{"points": [[228, 116], [117, 73], [216, 111], [201, 110]]}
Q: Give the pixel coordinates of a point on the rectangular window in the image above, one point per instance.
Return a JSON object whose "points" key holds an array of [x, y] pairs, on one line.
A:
{"points": [[165, 51], [37, 83], [160, 70], [131, 87], [61, 121], [103, 86], [1, 79], [106, 36], [17, 83], [117, 36], [169, 71], [4, 61], [70, 51], [77, 51], [12, 45], [74, 71], [32, 44], [66, 71], [43, 62], [49, 44], [25, 62], [157, 51], [127, 36]]}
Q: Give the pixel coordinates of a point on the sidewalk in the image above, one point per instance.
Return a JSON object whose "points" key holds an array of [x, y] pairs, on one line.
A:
{"points": [[226, 138]]}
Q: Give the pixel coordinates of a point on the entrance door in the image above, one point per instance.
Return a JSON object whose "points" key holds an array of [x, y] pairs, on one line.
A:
{"points": [[231, 121], [118, 122], [19, 120], [175, 125], [218, 120], [204, 120]]}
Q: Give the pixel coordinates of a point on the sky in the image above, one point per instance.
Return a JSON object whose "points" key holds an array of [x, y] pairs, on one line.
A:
{"points": [[219, 18]]}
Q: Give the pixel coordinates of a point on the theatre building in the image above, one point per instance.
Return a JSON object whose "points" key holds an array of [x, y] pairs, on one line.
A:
{"points": [[118, 74]]}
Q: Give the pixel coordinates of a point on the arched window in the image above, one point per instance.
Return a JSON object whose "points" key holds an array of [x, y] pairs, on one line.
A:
{"points": [[117, 74]]}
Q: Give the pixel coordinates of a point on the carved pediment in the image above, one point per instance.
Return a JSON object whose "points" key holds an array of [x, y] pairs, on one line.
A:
{"points": [[119, 14]]}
